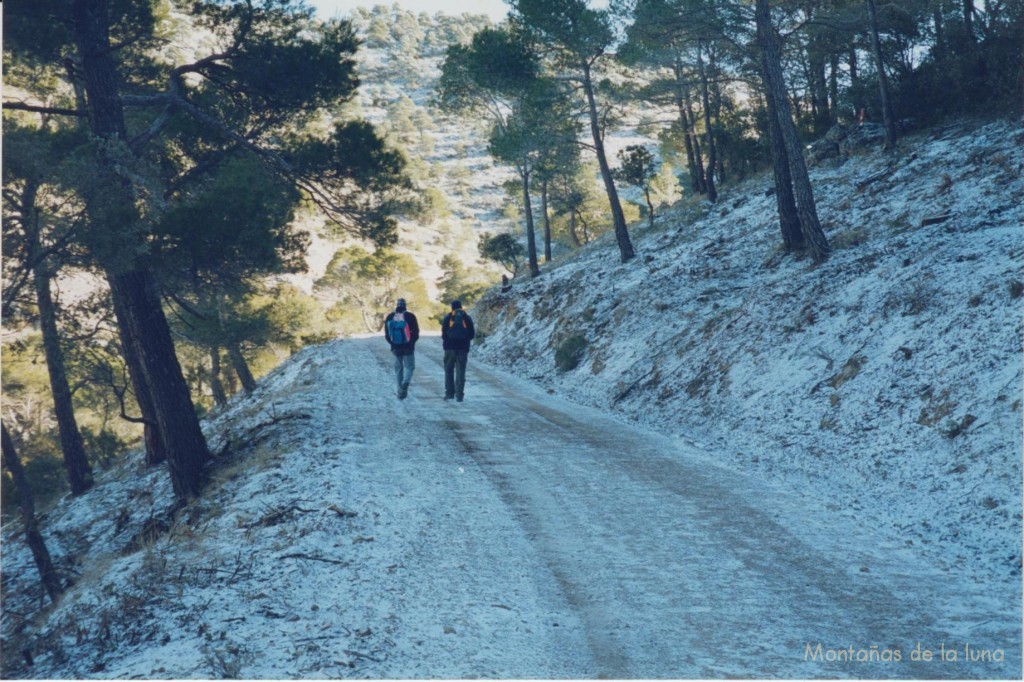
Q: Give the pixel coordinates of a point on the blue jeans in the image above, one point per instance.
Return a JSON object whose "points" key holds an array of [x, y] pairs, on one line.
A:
{"points": [[404, 365]]}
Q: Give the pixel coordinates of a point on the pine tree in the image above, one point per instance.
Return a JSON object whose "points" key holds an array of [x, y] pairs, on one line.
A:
{"points": [[274, 66], [581, 37]]}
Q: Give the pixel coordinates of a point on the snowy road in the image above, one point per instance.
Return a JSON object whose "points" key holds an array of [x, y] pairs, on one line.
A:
{"points": [[516, 535], [662, 564]]}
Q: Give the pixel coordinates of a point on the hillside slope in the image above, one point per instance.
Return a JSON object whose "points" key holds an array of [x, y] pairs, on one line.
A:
{"points": [[885, 384]]}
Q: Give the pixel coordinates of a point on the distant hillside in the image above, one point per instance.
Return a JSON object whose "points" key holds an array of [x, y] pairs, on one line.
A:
{"points": [[886, 383]]}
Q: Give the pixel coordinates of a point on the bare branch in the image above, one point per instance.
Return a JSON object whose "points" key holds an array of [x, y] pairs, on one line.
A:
{"points": [[39, 109]]}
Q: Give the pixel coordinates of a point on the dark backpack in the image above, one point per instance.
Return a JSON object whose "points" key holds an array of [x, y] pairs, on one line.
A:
{"points": [[398, 330], [458, 326]]}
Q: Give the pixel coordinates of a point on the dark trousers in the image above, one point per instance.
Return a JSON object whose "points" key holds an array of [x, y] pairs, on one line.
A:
{"points": [[455, 372]]}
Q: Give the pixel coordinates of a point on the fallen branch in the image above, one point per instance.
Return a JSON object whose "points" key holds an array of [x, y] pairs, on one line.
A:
{"points": [[935, 220], [276, 516], [313, 558], [343, 513], [874, 177], [359, 655]]}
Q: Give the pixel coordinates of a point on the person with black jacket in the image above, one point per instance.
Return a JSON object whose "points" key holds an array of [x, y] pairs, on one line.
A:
{"points": [[402, 331], [456, 333]]}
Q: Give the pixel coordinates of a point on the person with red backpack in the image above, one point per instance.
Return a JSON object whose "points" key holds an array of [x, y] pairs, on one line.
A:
{"points": [[402, 331], [456, 332]]}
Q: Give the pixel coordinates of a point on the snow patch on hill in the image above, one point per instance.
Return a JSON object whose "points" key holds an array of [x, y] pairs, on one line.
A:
{"points": [[885, 383]]}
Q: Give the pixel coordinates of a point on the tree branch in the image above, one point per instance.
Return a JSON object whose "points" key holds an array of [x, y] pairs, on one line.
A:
{"points": [[56, 111]]}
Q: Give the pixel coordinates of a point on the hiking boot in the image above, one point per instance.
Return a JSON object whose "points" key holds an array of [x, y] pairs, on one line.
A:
{"points": [[459, 399], [403, 391], [448, 397]]}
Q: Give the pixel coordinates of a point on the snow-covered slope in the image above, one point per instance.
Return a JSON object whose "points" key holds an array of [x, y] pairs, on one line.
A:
{"points": [[885, 384]]}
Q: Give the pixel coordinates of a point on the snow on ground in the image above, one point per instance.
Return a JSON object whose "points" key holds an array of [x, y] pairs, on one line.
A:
{"points": [[345, 533], [885, 384], [341, 536]]}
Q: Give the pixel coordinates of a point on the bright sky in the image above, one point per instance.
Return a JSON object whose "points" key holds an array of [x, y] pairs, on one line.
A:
{"points": [[496, 9]]}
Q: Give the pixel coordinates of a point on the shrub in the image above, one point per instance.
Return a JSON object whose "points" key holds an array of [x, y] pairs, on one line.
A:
{"points": [[569, 354]]}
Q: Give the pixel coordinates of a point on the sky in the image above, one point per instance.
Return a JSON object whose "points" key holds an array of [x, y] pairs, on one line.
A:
{"points": [[496, 9]]}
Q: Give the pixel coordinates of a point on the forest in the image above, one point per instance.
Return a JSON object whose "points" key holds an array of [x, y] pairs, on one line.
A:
{"points": [[173, 168]]}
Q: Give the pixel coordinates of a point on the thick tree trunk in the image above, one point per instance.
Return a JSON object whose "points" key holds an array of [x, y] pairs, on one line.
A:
{"points": [[216, 385], [241, 367], [709, 175], [626, 251], [155, 451], [775, 88], [47, 573], [112, 214], [176, 419], [789, 220], [547, 220], [76, 463], [968, 6], [888, 113], [531, 236]]}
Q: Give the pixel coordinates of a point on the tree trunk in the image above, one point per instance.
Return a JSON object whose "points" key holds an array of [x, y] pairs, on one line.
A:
{"points": [[47, 572], [939, 50], [110, 215], [155, 451], [76, 463], [968, 6], [531, 237], [888, 114], [547, 220], [572, 228], [816, 59], [650, 207], [789, 220], [172, 402], [691, 163], [216, 385], [833, 86], [626, 251], [775, 88], [698, 155], [709, 175], [716, 111], [241, 367]]}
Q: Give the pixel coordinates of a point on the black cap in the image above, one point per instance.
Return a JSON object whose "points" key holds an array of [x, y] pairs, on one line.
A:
{"points": [[456, 304]]}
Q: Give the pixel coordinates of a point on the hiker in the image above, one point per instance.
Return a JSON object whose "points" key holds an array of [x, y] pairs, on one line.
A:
{"points": [[402, 330], [456, 333]]}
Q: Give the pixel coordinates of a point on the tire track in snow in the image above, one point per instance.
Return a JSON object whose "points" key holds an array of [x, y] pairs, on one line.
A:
{"points": [[676, 567]]}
